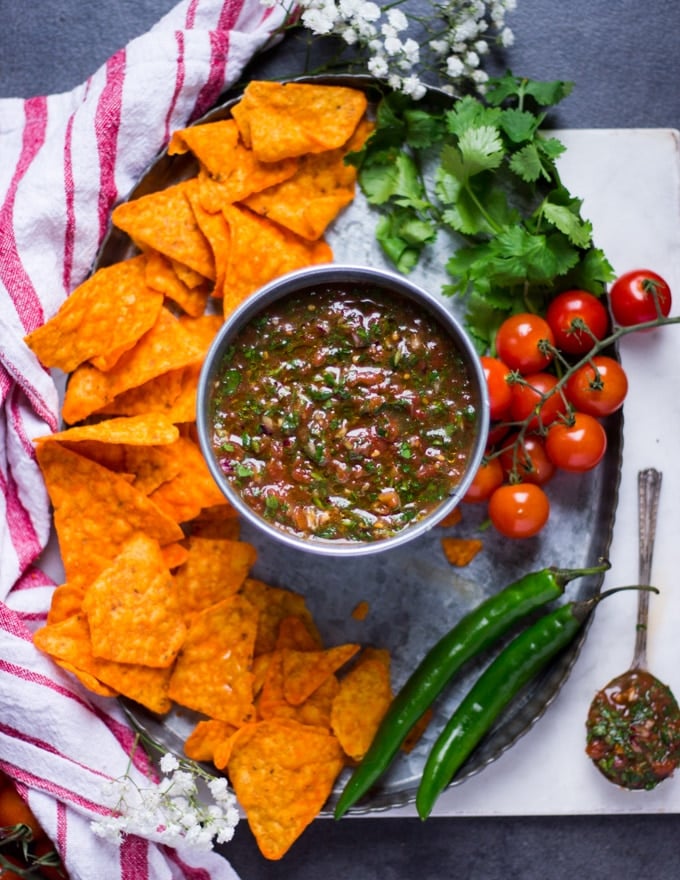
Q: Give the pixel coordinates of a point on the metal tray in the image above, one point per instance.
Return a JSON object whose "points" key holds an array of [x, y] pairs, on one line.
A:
{"points": [[413, 593]]}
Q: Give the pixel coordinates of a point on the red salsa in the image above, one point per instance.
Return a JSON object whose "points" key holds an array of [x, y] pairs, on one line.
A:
{"points": [[343, 413], [634, 731]]}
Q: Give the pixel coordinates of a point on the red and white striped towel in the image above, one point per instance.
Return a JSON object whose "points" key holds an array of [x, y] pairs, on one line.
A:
{"points": [[66, 159]]}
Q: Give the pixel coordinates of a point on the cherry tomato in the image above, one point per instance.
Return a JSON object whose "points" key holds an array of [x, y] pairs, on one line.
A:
{"points": [[570, 313], [500, 391], [488, 478], [519, 510], [531, 396], [527, 460], [497, 432], [598, 388], [634, 297], [577, 445], [524, 341]]}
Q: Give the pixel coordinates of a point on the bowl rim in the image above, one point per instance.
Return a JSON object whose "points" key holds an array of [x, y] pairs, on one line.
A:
{"points": [[288, 284]]}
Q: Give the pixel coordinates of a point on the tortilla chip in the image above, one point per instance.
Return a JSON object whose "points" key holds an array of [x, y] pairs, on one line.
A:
{"points": [[305, 671], [174, 555], [451, 519], [206, 737], [166, 346], [67, 600], [216, 230], [360, 610], [215, 568], [312, 198], [274, 604], [112, 309], [213, 673], [416, 732], [282, 120], [132, 608], [68, 642], [149, 429], [193, 488], [282, 773], [218, 521], [164, 221], [461, 551], [295, 633], [261, 251], [161, 274], [363, 698], [96, 511]]}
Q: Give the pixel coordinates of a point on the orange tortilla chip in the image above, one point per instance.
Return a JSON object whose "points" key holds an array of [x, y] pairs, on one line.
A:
{"points": [[112, 309], [213, 673], [451, 519], [67, 600], [274, 604], [360, 610], [167, 346], [206, 738], [282, 773], [261, 251], [216, 230], [149, 429], [282, 120], [191, 489], [132, 608], [416, 732], [96, 511], [461, 551], [68, 642], [165, 221], [215, 568], [307, 202], [295, 633], [161, 275], [363, 698], [174, 555], [305, 671]]}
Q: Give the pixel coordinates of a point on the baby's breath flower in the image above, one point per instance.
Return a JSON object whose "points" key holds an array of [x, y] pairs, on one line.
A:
{"points": [[171, 811]]}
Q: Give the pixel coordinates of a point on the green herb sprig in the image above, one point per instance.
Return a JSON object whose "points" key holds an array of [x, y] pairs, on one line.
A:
{"points": [[495, 186]]}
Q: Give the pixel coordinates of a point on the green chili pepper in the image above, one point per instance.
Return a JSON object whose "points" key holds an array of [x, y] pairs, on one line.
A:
{"points": [[512, 669], [473, 634]]}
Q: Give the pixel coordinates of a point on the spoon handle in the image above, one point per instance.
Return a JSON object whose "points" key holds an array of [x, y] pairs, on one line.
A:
{"points": [[649, 487]]}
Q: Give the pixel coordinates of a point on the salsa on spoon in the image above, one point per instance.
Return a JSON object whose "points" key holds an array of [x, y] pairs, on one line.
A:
{"points": [[633, 725]]}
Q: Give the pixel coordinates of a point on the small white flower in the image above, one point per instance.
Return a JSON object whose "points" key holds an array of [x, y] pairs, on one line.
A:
{"points": [[350, 36], [454, 66], [377, 66], [439, 47], [507, 38], [472, 59], [413, 87], [169, 763], [481, 47], [397, 19], [392, 45]]}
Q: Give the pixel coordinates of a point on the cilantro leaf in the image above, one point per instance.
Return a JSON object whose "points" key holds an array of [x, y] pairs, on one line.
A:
{"points": [[396, 178]]}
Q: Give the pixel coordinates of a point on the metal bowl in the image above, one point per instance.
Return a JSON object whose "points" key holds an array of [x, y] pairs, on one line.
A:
{"points": [[298, 282]]}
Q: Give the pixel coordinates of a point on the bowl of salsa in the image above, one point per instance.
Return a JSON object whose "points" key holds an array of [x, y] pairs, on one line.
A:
{"points": [[342, 410]]}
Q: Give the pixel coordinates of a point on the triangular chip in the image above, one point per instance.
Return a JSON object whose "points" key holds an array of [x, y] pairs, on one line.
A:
{"points": [[112, 309], [279, 120], [260, 251], [96, 511], [132, 607], [68, 642], [164, 221], [161, 274], [206, 738], [275, 604], [192, 489], [215, 568], [149, 429], [166, 346], [305, 671], [307, 202], [213, 673], [282, 773], [358, 708]]}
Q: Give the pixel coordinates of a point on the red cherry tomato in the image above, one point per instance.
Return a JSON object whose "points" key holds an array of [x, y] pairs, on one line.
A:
{"points": [[577, 445], [598, 387], [519, 510], [527, 460], [533, 395], [639, 296], [570, 313], [500, 391], [488, 478], [524, 342]]}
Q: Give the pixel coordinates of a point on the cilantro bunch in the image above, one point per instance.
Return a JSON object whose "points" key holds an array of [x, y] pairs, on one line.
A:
{"points": [[492, 181]]}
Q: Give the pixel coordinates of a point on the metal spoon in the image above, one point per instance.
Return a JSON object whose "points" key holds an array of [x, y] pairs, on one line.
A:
{"points": [[633, 725]]}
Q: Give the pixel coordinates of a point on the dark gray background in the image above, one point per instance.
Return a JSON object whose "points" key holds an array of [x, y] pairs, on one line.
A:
{"points": [[624, 57]]}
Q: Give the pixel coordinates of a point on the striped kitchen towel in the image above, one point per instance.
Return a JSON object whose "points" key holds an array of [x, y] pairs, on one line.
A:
{"points": [[66, 159]]}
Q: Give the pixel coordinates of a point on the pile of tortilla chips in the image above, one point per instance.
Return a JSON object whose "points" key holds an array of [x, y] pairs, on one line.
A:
{"points": [[159, 603]]}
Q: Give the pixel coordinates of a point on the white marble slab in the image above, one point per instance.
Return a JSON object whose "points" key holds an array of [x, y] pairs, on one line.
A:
{"points": [[630, 183]]}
